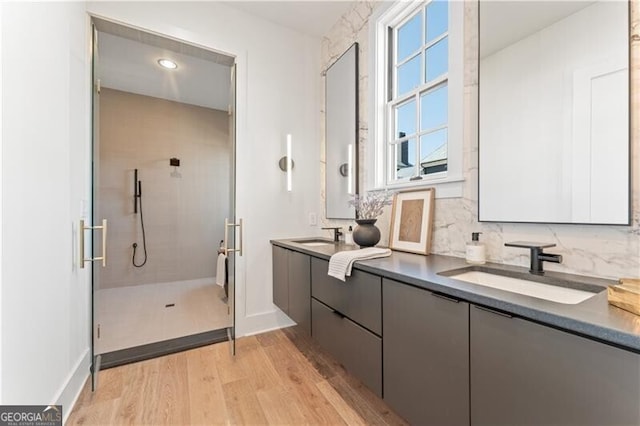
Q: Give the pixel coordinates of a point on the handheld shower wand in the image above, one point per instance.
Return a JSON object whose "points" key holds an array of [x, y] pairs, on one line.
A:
{"points": [[136, 193], [137, 199]]}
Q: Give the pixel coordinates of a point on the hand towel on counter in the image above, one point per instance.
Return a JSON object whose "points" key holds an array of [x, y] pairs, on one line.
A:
{"points": [[221, 269], [340, 264]]}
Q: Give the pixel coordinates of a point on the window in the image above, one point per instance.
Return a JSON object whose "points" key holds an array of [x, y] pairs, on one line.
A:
{"points": [[417, 85]]}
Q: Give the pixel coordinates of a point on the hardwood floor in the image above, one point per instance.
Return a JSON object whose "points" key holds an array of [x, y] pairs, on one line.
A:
{"points": [[278, 378]]}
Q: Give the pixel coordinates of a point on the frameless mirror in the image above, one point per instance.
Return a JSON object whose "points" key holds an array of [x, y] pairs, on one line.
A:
{"points": [[341, 111], [554, 112]]}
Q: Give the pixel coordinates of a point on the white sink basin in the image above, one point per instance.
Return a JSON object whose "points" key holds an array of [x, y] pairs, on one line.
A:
{"points": [[552, 293]]}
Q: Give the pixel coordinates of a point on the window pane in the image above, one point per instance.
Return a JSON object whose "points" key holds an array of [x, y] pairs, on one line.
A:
{"points": [[408, 76], [433, 152], [437, 19], [409, 38], [405, 119], [434, 108], [437, 59], [405, 159]]}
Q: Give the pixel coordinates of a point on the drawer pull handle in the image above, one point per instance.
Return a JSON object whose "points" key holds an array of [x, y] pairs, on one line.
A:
{"points": [[341, 315], [449, 298], [491, 311]]}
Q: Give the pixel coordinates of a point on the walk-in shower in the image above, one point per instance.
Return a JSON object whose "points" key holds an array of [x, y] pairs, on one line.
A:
{"points": [[160, 284], [137, 209]]}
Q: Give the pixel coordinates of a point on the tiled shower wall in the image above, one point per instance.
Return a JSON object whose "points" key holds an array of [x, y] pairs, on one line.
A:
{"points": [[184, 207], [605, 251]]}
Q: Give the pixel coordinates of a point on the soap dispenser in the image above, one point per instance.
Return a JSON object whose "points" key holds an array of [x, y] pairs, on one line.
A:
{"points": [[475, 253], [348, 237]]}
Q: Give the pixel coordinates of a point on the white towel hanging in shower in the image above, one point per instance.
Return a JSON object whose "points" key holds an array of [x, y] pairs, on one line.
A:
{"points": [[221, 272]]}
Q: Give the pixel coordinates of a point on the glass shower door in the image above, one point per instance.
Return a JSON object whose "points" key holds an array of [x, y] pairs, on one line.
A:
{"points": [[95, 111], [231, 240], [174, 160]]}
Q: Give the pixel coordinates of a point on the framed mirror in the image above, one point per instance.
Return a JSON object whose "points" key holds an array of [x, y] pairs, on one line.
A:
{"points": [[341, 112], [554, 112]]}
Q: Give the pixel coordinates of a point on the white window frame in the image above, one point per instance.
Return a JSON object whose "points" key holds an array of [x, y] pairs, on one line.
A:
{"points": [[450, 183]]}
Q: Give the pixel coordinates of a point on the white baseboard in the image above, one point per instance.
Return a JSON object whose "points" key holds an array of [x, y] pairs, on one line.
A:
{"points": [[268, 330], [262, 322], [72, 387]]}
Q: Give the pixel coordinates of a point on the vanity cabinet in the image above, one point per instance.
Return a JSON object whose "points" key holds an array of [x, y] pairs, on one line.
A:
{"points": [[426, 355], [443, 361], [529, 374], [292, 285], [347, 321]]}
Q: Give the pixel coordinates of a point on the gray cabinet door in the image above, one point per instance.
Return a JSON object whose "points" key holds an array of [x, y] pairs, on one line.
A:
{"points": [[425, 355], [524, 373], [300, 290], [281, 278]]}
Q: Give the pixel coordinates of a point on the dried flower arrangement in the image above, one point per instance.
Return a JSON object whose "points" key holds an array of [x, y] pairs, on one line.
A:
{"points": [[371, 204]]}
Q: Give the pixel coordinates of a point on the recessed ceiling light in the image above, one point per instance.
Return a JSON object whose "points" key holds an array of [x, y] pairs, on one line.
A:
{"points": [[167, 63]]}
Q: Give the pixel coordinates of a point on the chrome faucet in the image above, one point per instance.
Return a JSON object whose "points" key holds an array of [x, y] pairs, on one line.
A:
{"points": [[336, 233], [537, 255]]}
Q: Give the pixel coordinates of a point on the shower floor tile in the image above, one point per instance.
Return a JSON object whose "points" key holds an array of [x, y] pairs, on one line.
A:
{"points": [[137, 315]]}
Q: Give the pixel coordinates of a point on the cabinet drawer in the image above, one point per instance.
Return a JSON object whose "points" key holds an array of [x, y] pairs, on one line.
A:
{"points": [[359, 350], [359, 298]]}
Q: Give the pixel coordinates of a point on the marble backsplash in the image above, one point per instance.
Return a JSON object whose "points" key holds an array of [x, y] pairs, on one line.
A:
{"points": [[596, 250]]}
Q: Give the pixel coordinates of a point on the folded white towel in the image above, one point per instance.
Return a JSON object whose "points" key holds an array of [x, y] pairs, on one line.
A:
{"points": [[341, 263], [221, 270]]}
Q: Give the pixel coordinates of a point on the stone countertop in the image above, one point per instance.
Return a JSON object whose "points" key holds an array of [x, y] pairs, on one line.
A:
{"points": [[594, 318]]}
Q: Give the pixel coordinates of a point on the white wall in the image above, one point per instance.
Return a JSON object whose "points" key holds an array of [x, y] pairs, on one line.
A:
{"points": [[45, 303], [278, 93]]}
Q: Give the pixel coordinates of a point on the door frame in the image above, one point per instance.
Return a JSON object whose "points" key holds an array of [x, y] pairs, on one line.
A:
{"points": [[239, 63]]}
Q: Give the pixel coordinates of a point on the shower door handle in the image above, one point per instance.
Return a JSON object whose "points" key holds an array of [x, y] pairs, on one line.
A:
{"points": [[83, 229], [228, 225]]}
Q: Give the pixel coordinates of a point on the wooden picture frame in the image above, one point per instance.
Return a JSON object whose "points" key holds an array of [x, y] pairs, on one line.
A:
{"points": [[412, 221]]}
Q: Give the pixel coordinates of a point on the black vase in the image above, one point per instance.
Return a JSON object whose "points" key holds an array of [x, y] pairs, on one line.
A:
{"points": [[366, 234]]}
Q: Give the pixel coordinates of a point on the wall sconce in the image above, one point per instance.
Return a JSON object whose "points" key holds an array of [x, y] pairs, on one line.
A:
{"points": [[346, 169], [286, 163]]}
